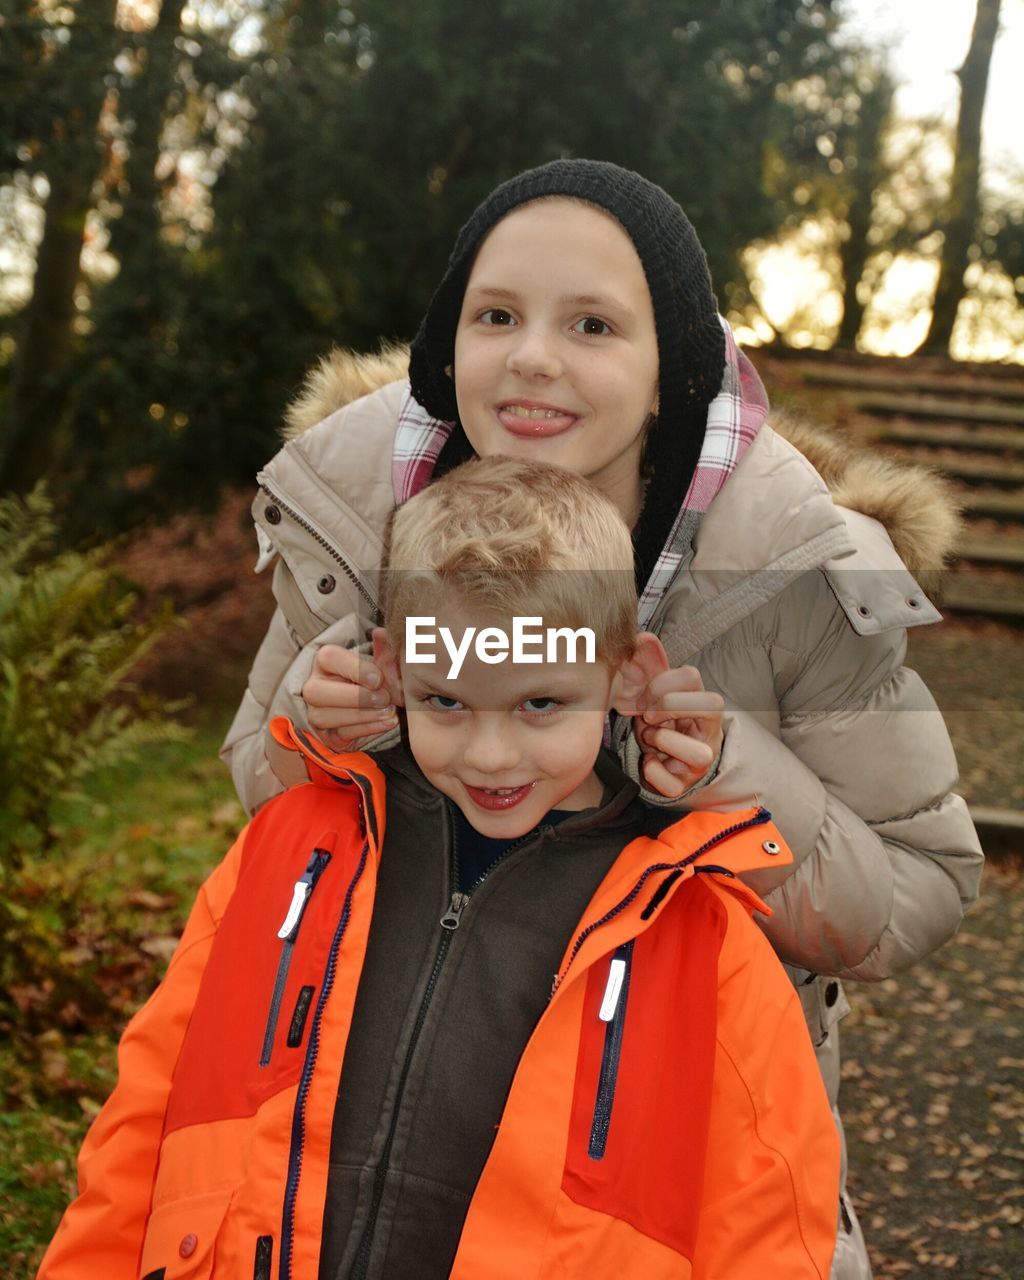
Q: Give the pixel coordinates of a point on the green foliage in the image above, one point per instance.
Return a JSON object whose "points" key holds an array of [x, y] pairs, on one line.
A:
{"points": [[280, 178], [1003, 245], [69, 636], [134, 847]]}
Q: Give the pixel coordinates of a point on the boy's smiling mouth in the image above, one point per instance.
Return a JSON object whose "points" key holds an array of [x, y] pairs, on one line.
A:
{"points": [[499, 798]]}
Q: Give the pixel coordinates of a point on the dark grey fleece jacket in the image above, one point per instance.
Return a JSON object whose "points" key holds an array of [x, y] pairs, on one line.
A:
{"points": [[443, 1015]]}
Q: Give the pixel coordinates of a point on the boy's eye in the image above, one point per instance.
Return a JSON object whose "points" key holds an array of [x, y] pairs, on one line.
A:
{"points": [[592, 326], [496, 315], [440, 703], [540, 706]]}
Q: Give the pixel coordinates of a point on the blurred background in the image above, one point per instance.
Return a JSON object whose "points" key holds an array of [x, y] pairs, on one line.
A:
{"points": [[198, 200]]}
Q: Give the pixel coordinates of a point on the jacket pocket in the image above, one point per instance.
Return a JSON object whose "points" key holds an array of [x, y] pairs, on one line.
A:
{"points": [[613, 1014], [181, 1236], [288, 933]]}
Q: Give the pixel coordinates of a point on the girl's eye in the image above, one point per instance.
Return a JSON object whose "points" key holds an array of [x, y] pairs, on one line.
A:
{"points": [[540, 706], [440, 703], [497, 316], [592, 326]]}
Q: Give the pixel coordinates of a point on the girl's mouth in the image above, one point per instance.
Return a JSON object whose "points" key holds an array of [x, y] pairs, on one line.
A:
{"points": [[498, 798], [534, 420]]}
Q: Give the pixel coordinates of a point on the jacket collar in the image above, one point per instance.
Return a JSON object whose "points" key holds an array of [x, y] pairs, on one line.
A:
{"points": [[326, 767], [650, 871], [773, 520], [646, 874]]}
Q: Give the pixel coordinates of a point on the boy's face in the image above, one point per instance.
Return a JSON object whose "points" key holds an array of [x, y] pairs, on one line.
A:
{"points": [[509, 742]]}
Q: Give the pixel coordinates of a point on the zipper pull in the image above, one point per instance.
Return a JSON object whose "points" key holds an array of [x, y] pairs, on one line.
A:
{"points": [[450, 919], [300, 893], [616, 974]]}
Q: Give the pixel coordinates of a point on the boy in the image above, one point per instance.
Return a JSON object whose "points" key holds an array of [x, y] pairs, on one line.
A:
{"points": [[655, 1111]]}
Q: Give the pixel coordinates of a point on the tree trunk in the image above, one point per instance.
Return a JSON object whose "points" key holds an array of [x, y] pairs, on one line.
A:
{"points": [[853, 257], [74, 161], [866, 148], [962, 212], [137, 229]]}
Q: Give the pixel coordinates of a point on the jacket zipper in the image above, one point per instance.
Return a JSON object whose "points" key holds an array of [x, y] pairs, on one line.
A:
{"points": [[327, 545], [298, 1140], [613, 1014], [449, 923], [759, 819], [289, 932]]}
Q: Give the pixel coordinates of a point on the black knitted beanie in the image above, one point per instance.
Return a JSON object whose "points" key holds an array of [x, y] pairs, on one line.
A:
{"points": [[691, 344]]}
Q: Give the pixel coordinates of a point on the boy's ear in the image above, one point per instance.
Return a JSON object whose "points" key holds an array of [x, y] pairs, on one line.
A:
{"points": [[636, 672], [387, 659]]}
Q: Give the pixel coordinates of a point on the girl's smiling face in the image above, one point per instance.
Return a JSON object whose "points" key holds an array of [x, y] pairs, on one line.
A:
{"points": [[556, 352]]}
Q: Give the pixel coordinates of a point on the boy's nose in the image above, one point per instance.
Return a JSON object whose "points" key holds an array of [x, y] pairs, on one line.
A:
{"points": [[534, 354], [491, 749]]}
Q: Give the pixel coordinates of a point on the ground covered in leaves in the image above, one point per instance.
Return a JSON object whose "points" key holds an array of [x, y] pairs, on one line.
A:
{"points": [[933, 1100], [131, 853], [975, 669]]}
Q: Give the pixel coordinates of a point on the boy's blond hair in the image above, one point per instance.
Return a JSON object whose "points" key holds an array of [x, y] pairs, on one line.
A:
{"points": [[515, 539]]}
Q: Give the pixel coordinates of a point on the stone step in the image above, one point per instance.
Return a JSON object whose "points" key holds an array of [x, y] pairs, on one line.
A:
{"points": [[868, 380], [947, 409], [1001, 831], [981, 601], [992, 551], [979, 439], [975, 471], [996, 506]]}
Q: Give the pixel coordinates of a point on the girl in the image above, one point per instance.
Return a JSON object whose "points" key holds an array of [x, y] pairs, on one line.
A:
{"points": [[576, 324]]}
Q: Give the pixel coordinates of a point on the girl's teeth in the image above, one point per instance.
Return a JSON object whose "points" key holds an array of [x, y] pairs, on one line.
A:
{"points": [[521, 412]]}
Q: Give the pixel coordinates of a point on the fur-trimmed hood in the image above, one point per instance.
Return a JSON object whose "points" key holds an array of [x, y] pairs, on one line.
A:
{"points": [[916, 505]]}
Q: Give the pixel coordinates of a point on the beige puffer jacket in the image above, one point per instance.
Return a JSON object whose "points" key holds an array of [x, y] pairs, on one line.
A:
{"points": [[794, 606]]}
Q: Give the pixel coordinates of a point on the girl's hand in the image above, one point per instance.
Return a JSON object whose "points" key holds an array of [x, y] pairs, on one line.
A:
{"points": [[347, 698], [679, 729]]}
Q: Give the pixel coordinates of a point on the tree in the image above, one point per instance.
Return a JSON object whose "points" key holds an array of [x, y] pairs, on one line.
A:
{"points": [[960, 221], [74, 80], [688, 95], [141, 107], [343, 143], [865, 169]]}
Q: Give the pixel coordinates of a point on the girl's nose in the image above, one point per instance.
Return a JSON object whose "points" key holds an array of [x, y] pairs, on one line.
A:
{"points": [[491, 749], [534, 354]]}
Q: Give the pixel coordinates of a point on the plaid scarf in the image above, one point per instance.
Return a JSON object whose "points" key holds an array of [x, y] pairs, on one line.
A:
{"points": [[734, 417]]}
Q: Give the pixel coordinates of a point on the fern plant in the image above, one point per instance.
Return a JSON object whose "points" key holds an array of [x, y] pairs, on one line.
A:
{"points": [[69, 635]]}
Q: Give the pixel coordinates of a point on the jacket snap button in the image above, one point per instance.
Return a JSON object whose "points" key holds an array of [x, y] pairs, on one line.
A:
{"points": [[326, 585], [772, 847], [273, 514], [864, 611], [831, 993], [188, 1245]]}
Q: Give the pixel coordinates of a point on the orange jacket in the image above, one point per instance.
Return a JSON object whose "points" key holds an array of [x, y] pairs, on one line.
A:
{"points": [[211, 1156]]}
